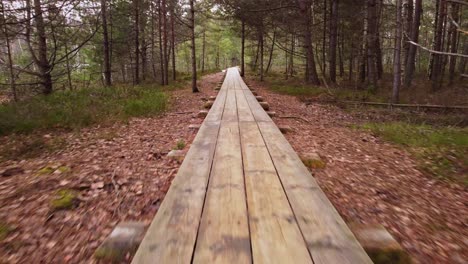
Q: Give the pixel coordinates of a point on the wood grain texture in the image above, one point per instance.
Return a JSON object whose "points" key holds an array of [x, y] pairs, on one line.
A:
{"points": [[274, 233], [224, 232], [328, 238]]}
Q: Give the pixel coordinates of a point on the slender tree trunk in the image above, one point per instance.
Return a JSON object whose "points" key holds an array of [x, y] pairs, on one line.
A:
{"points": [[270, 58], [333, 38], [436, 74], [42, 60], [261, 55], [161, 53], [410, 61], [105, 44], [203, 52], [194, 57], [453, 43], [397, 54], [462, 64], [371, 44], [409, 9], [311, 76], [165, 51], [291, 58], [153, 56], [243, 49], [173, 44], [378, 46], [136, 29], [10, 58], [324, 37]]}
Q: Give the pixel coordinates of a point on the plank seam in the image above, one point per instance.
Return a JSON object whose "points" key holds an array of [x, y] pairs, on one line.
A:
{"points": [[281, 182], [243, 176], [208, 183]]}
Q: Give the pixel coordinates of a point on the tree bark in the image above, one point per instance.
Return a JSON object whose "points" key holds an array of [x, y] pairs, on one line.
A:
{"points": [[203, 52], [105, 45], [136, 28], [10, 58], [410, 61], [397, 54], [453, 43], [311, 76], [436, 74], [333, 39], [161, 48], [194, 57], [270, 58], [261, 54], [165, 51], [173, 44], [371, 44]]}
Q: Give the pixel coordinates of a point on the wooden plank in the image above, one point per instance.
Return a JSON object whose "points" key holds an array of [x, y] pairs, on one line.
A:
{"points": [[230, 109], [328, 238], [171, 236], [243, 108], [216, 111], [275, 236], [224, 232]]}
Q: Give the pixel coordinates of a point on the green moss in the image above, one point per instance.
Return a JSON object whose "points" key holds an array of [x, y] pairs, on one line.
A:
{"points": [[109, 255], [45, 170], [180, 145], [388, 256], [65, 199], [64, 169], [314, 164], [5, 229], [441, 151]]}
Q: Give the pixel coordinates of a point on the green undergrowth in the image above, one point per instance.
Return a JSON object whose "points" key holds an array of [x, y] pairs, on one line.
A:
{"points": [[296, 87], [440, 151], [80, 108]]}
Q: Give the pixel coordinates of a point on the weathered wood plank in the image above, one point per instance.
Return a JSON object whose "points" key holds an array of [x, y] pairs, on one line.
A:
{"points": [[171, 236], [275, 236], [230, 108], [243, 107], [328, 238], [224, 232]]}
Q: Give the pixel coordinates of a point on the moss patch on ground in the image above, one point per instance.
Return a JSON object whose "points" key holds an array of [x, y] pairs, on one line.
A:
{"points": [[441, 151], [64, 199], [5, 229]]}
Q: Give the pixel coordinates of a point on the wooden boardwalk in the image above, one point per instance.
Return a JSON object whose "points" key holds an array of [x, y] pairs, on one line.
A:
{"points": [[242, 195]]}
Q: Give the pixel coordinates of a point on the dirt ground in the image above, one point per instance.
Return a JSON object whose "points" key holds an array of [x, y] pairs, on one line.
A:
{"points": [[118, 173], [371, 181]]}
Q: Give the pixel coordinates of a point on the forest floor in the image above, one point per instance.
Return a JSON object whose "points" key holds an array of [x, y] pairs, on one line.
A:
{"points": [[107, 174], [58, 205], [372, 181]]}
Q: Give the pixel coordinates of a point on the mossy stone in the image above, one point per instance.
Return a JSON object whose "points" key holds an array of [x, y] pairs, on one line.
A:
{"points": [[65, 199]]}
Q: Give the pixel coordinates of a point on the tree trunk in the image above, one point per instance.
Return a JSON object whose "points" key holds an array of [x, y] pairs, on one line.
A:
{"points": [[397, 54], [261, 54], [270, 58], [165, 51], [409, 9], [42, 58], [243, 50], [10, 58], [105, 45], [333, 39], [161, 48], [453, 43], [67, 65], [324, 36], [371, 44], [436, 74], [311, 76], [194, 57], [203, 52], [411, 56], [136, 29], [173, 44]]}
